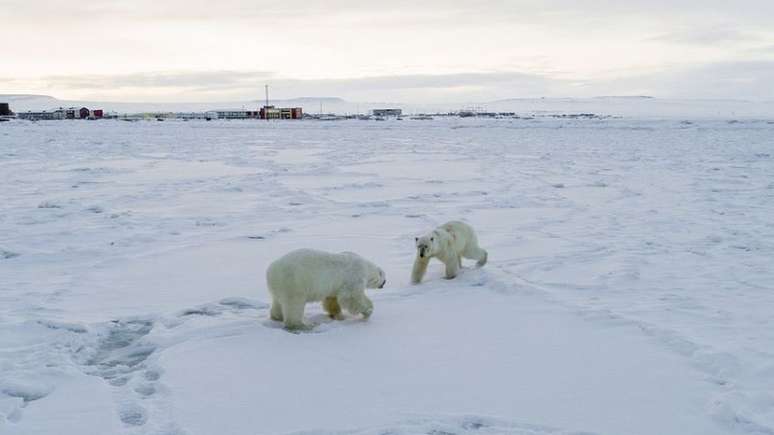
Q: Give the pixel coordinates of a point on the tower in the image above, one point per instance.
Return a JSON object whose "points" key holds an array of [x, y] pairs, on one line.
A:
{"points": [[266, 107]]}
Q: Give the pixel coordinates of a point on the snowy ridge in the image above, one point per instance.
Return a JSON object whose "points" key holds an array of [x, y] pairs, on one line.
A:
{"points": [[628, 288], [721, 368], [449, 425]]}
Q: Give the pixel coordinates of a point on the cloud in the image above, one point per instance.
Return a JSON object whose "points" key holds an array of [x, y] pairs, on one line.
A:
{"points": [[767, 49], [171, 79], [244, 85], [70, 42], [727, 80], [439, 81], [707, 36], [424, 88], [722, 80]]}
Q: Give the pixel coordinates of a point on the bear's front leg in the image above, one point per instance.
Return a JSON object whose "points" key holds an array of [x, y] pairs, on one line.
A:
{"points": [[358, 303], [368, 307], [293, 315], [452, 266], [276, 310], [420, 267]]}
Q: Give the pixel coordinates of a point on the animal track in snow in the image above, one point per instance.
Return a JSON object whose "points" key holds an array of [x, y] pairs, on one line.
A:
{"points": [[133, 415], [233, 304], [6, 255], [117, 357], [461, 425]]}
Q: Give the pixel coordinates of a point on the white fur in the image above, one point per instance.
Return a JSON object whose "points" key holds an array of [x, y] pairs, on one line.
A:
{"points": [[449, 243], [308, 275]]}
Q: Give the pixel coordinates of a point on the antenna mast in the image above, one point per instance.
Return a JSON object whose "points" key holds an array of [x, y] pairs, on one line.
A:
{"points": [[266, 108]]}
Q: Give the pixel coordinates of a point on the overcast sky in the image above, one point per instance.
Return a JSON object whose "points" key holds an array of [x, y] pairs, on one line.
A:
{"points": [[390, 50]]}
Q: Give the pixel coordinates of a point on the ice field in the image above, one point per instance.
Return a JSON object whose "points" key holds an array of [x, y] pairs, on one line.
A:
{"points": [[629, 289]]}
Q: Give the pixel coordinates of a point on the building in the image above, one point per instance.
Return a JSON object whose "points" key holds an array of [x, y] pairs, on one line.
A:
{"points": [[271, 112], [62, 113], [236, 114], [387, 112], [5, 110], [43, 115], [187, 116], [295, 113], [75, 112]]}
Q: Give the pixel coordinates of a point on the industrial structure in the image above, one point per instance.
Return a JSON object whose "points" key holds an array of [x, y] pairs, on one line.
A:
{"points": [[188, 116], [237, 114], [63, 113], [271, 112], [42, 115], [268, 112], [387, 112]]}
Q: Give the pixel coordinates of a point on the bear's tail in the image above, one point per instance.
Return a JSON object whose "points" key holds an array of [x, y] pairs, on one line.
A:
{"points": [[484, 257]]}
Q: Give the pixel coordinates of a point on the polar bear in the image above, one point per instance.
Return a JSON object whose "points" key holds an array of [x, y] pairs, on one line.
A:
{"points": [[448, 243], [308, 275]]}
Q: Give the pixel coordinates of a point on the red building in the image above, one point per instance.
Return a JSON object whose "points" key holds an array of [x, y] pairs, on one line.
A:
{"points": [[271, 112], [98, 113]]}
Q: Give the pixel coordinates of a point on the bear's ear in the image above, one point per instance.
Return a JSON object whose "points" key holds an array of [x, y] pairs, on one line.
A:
{"points": [[416, 239]]}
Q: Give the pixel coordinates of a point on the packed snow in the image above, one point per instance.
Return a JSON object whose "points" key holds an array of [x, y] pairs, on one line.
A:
{"points": [[629, 288]]}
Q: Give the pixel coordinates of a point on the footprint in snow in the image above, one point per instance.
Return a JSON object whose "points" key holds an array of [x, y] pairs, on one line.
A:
{"points": [[232, 304], [443, 425], [121, 352], [7, 255], [133, 415]]}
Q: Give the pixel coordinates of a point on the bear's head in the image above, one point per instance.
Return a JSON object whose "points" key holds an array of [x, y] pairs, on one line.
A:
{"points": [[375, 277], [428, 246]]}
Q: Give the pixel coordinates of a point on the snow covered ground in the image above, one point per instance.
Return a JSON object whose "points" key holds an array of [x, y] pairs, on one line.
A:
{"points": [[630, 287]]}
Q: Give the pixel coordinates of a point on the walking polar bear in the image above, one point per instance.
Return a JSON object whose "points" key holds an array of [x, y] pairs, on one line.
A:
{"points": [[308, 275], [448, 243]]}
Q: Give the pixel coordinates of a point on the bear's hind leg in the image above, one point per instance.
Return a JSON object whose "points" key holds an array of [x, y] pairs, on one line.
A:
{"points": [[332, 307], [483, 258], [476, 253], [276, 311], [452, 266]]}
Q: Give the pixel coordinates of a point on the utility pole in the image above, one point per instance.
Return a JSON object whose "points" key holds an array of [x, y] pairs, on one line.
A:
{"points": [[266, 107]]}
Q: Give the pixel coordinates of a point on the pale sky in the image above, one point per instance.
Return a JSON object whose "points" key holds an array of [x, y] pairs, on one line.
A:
{"points": [[402, 51]]}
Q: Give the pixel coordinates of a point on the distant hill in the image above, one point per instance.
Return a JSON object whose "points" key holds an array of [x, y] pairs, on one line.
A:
{"points": [[20, 102], [332, 100], [631, 97]]}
